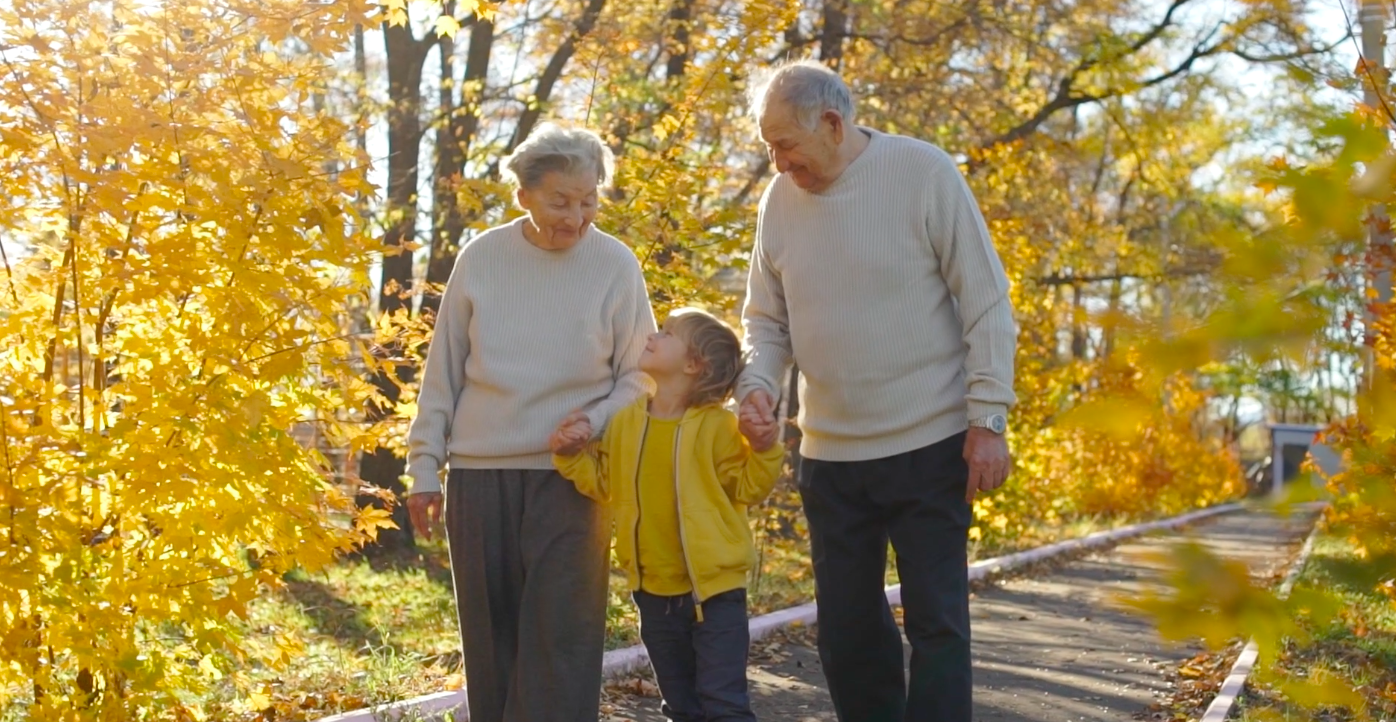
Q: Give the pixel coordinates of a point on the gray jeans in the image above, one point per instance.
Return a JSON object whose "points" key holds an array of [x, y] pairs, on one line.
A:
{"points": [[530, 566]]}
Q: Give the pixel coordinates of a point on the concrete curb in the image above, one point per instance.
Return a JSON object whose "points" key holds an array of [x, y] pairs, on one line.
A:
{"points": [[1235, 682], [620, 661]]}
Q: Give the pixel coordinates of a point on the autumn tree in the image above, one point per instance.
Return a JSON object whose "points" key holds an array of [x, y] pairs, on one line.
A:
{"points": [[179, 242]]}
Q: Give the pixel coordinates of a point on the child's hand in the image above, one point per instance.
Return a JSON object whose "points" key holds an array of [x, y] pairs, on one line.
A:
{"points": [[761, 443], [757, 421], [571, 435]]}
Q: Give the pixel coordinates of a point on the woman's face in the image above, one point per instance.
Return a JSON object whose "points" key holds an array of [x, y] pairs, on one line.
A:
{"points": [[560, 208]]}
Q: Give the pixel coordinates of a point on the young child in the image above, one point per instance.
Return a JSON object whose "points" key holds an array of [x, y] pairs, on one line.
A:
{"points": [[679, 476]]}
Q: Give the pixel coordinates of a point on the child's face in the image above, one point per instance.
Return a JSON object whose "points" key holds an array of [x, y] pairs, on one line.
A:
{"points": [[666, 354]]}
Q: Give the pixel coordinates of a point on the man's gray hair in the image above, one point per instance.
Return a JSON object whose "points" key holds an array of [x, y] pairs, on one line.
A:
{"points": [[807, 86], [552, 147]]}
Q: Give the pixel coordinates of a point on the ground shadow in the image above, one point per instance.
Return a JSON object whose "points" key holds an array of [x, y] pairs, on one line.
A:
{"points": [[431, 557], [338, 618]]}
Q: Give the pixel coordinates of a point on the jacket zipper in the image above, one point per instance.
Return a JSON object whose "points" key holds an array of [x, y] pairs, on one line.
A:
{"points": [[683, 545], [639, 456]]}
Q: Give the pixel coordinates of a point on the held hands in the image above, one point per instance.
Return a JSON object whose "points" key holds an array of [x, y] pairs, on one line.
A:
{"points": [[989, 461], [571, 435], [756, 419], [424, 509]]}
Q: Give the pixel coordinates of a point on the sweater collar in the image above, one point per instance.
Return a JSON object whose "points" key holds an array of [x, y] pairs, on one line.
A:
{"points": [[517, 229], [856, 167]]}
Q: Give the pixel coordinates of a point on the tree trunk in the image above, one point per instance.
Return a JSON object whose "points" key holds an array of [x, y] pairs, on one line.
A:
{"points": [[680, 17], [381, 467], [1078, 332], [452, 150], [405, 57], [447, 222], [834, 32], [1233, 421]]}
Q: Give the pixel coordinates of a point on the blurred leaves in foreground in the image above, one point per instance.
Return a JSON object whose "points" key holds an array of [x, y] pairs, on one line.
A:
{"points": [[1321, 647]]}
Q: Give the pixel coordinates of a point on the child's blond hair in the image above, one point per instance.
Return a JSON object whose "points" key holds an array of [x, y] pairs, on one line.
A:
{"points": [[715, 346]]}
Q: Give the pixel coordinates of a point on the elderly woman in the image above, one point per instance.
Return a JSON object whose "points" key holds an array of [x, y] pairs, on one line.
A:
{"points": [[543, 318]]}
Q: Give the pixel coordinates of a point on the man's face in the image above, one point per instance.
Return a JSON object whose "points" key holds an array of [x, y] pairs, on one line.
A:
{"points": [[809, 157]]}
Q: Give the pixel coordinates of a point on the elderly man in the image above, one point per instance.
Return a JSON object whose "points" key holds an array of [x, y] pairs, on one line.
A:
{"points": [[874, 272]]}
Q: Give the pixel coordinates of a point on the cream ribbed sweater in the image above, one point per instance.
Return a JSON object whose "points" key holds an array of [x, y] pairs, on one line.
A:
{"points": [[524, 337], [887, 292]]}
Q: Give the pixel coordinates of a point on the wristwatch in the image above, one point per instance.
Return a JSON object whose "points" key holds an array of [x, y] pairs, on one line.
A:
{"points": [[996, 423]]}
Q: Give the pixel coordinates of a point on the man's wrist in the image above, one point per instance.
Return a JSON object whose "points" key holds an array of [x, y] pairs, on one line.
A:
{"points": [[749, 383], [994, 422]]}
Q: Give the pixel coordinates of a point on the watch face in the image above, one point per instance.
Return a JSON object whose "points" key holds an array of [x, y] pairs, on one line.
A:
{"points": [[998, 424]]}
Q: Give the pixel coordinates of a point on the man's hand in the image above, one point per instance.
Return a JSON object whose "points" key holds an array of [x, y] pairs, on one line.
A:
{"points": [[424, 510], [756, 419], [989, 461], [571, 435]]}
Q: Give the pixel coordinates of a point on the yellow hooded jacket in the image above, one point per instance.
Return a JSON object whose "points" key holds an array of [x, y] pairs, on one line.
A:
{"points": [[716, 475]]}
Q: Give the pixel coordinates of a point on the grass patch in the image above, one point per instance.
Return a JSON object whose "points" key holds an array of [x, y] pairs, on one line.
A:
{"points": [[367, 631], [1354, 654]]}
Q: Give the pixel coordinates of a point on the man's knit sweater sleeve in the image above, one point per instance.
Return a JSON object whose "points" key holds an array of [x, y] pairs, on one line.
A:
{"points": [[976, 278], [441, 385], [632, 312], [765, 321]]}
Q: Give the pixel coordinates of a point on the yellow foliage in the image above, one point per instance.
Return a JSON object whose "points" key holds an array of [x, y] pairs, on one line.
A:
{"points": [[181, 243], [1128, 450], [1279, 307]]}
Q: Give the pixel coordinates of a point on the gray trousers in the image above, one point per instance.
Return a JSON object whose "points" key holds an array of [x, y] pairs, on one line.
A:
{"points": [[530, 566]]}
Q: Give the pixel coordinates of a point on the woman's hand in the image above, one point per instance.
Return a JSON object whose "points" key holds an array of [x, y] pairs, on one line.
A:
{"points": [[424, 510], [571, 435]]}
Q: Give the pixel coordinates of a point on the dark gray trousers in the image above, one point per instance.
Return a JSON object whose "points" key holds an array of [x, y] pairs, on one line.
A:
{"points": [[917, 501], [530, 566]]}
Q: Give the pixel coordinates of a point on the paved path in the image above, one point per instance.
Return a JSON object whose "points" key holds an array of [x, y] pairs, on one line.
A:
{"points": [[1052, 647]]}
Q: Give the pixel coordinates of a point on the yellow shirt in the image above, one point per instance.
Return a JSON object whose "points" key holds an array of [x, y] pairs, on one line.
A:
{"points": [[662, 568]]}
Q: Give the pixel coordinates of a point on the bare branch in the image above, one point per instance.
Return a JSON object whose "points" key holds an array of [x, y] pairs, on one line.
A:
{"points": [[553, 72], [1060, 279], [757, 173], [1212, 44], [1066, 98], [1296, 55], [883, 41]]}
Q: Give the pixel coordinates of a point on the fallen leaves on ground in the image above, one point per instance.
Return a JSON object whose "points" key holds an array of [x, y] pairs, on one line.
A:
{"points": [[637, 685], [768, 651], [1369, 674], [1194, 684]]}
